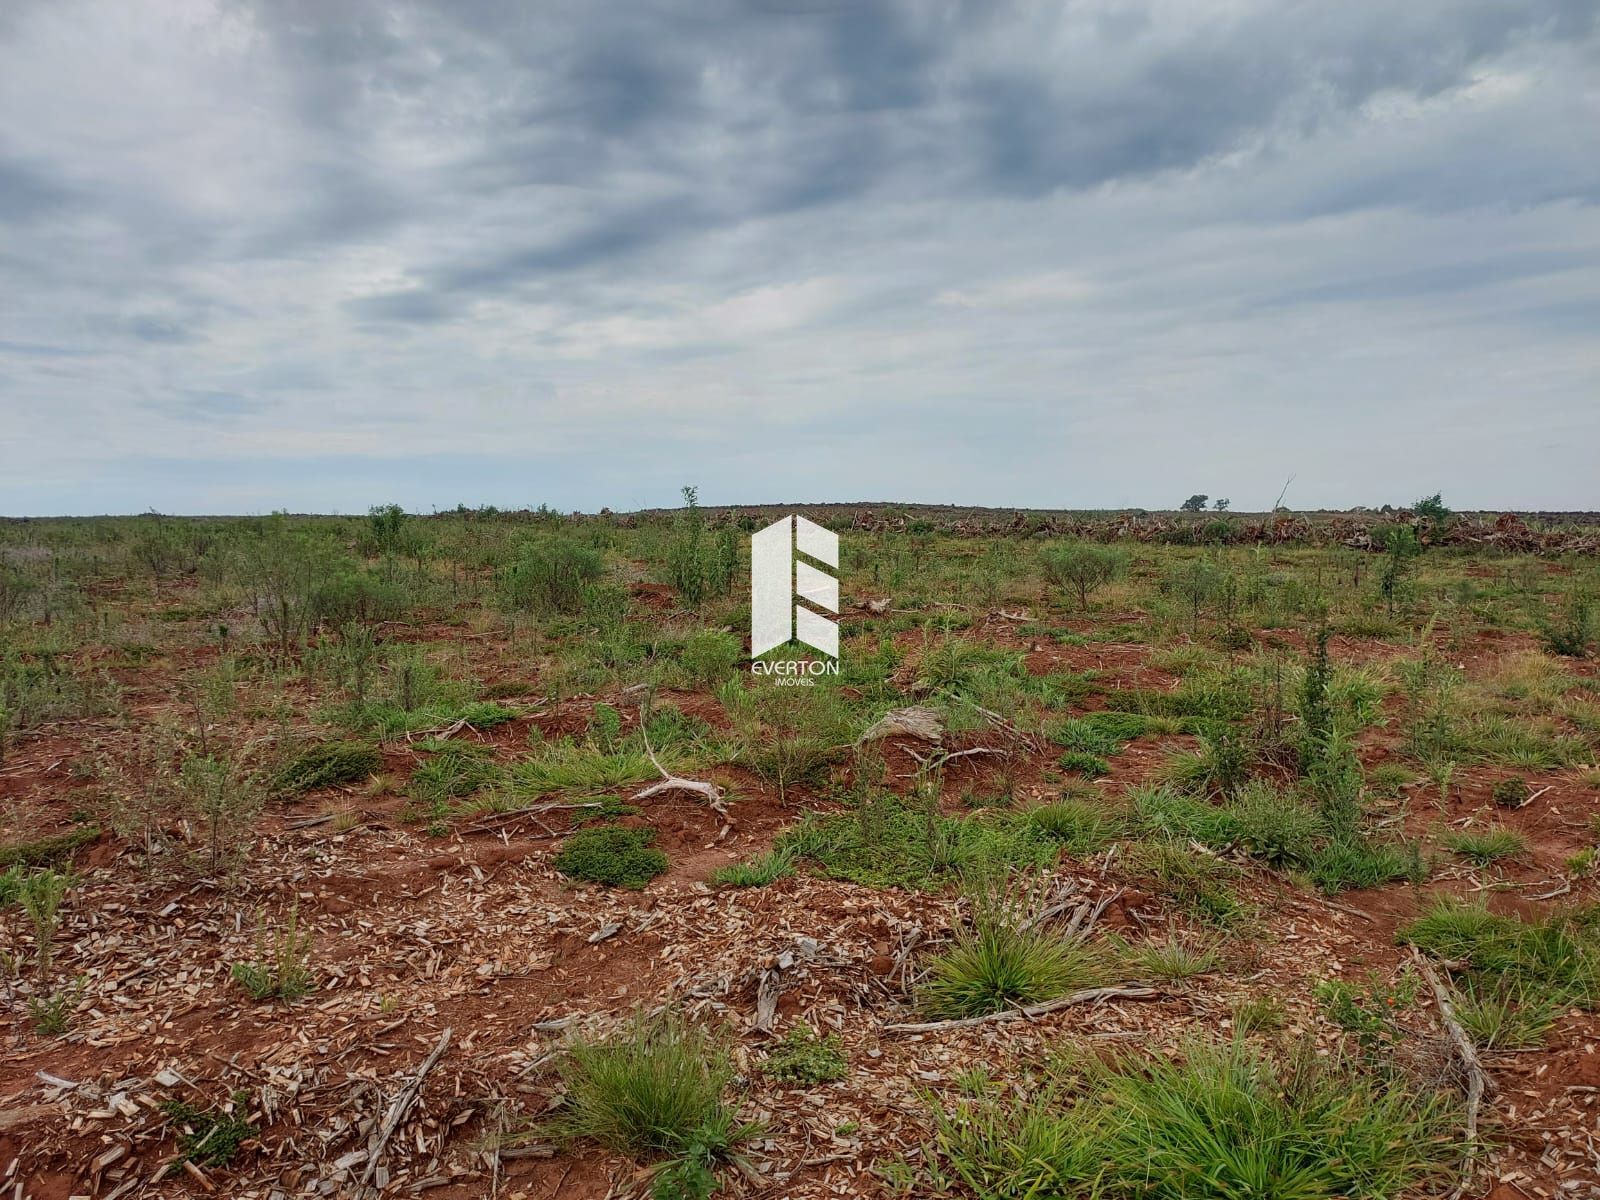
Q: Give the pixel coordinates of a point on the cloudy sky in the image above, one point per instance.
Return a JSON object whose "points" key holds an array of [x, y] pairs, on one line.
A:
{"points": [[1088, 253]]}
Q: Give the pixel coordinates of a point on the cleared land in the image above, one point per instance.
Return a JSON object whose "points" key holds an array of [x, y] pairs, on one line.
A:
{"points": [[335, 858]]}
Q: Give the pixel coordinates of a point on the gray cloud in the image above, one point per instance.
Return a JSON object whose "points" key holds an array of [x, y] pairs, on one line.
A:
{"points": [[423, 231]]}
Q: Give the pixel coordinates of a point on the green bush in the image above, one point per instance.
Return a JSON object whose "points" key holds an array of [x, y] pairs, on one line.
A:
{"points": [[551, 576], [326, 765], [616, 855], [1570, 633]]}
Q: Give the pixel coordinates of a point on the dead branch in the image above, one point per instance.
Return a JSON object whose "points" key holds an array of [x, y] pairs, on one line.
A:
{"points": [[1028, 1012], [400, 1105], [670, 782], [1084, 919], [1478, 1081]]}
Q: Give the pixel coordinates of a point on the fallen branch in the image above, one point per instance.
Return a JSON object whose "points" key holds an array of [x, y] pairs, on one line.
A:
{"points": [[1478, 1081], [400, 1106], [669, 781], [1030, 1011]]}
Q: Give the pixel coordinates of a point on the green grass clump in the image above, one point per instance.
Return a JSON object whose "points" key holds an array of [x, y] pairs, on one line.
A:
{"points": [[1196, 883], [1506, 1018], [888, 842], [453, 772], [1168, 812], [1001, 964], [386, 719], [1084, 763], [1215, 1121], [804, 1057], [1104, 733], [1170, 958], [1362, 861], [211, 1137], [615, 855], [1558, 958], [325, 765], [654, 1091], [1080, 826], [756, 872], [565, 766], [1485, 846]]}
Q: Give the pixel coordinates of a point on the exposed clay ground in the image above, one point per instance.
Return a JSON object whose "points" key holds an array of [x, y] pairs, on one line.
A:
{"points": [[474, 931]]}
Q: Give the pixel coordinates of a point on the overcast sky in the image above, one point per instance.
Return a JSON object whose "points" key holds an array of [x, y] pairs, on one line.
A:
{"points": [[328, 254]]}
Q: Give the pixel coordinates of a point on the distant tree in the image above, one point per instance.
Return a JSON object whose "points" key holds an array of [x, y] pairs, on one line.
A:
{"points": [[1222, 505], [1195, 503], [1432, 507]]}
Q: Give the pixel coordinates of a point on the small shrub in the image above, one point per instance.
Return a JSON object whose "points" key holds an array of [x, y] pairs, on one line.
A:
{"points": [[40, 895], [1369, 1011], [1083, 568], [51, 1015], [551, 576], [1510, 793], [326, 765], [615, 855], [211, 1137], [285, 971], [1571, 632], [804, 1057]]}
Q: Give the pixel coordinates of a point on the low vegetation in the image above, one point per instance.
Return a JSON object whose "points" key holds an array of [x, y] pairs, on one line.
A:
{"points": [[1187, 756]]}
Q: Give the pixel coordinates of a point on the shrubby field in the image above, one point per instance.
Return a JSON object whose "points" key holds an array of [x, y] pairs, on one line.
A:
{"points": [[1176, 855]]}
